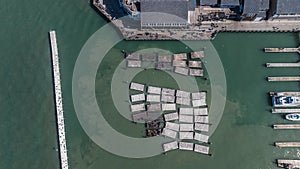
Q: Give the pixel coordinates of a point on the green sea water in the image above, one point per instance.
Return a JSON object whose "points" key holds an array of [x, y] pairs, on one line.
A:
{"points": [[243, 139]]}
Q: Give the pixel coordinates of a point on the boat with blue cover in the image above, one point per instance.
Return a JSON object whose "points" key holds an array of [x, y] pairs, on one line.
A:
{"points": [[293, 117], [286, 101]]}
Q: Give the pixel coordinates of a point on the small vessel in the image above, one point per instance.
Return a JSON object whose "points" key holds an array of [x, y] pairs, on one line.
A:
{"points": [[286, 101], [293, 117]]}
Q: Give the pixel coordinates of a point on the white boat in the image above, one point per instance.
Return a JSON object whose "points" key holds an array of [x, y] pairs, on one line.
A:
{"points": [[286, 101], [293, 117]]}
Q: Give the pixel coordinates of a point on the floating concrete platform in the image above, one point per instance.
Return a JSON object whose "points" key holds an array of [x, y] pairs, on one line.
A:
{"points": [[287, 78], [287, 144], [286, 126], [283, 64], [282, 49], [285, 110]]}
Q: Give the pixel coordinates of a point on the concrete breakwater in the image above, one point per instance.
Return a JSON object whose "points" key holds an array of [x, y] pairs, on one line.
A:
{"points": [[58, 102]]}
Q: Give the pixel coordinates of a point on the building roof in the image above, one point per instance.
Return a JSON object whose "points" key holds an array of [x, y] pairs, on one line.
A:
{"points": [[165, 11], [288, 7], [230, 2], [208, 2], [255, 6]]}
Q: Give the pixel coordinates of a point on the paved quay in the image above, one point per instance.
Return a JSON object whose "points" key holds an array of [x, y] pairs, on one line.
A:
{"points": [[58, 102], [206, 30]]}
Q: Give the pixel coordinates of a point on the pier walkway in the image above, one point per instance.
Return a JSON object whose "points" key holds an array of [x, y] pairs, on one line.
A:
{"points": [[284, 93], [287, 144], [286, 126], [283, 49], [285, 110], [283, 64], [273, 79], [58, 102]]}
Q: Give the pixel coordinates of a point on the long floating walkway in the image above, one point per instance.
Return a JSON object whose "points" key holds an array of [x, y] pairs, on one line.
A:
{"points": [[273, 79], [283, 64], [287, 144], [285, 110], [58, 102], [284, 93], [282, 49], [286, 126]]}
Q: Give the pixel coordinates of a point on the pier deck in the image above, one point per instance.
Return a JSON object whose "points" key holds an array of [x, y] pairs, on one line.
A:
{"points": [[292, 163], [287, 78], [286, 126], [284, 93], [287, 144], [283, 64], [285, 110], [282, 49], [58, 102]]}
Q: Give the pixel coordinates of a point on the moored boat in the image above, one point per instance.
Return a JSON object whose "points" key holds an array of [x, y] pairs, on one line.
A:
{"points": [[293, 117], [286, 101]]}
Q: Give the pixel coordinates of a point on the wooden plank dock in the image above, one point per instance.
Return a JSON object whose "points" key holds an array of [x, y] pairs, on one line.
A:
{"points": [[287, 144], [286, 126], [286, 78], [289, 164], [285, 110], [283, 64], [58, 103], [282, 49]]}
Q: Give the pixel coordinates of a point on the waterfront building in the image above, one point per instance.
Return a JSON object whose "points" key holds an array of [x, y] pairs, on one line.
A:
{"points": [[166, 13], [285, 8], [255, 10], [208, 2], [230, 3]]}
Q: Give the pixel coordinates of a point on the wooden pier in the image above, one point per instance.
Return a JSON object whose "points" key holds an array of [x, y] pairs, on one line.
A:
{"points": [[289, 164], [58, 102], [286, 126], [287, 78], [282, 49], [287, 144], [285, 110], [283, 64]]}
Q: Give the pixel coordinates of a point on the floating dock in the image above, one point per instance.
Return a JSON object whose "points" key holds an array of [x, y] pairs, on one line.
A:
{"points": [[289, 164], [284, 93], [285, 110], [283, 64], [58, 102], [287, 144], [286, 126], [282, 49], [287, 78]]}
